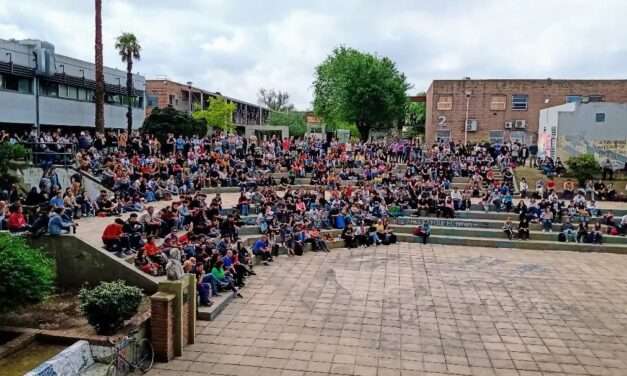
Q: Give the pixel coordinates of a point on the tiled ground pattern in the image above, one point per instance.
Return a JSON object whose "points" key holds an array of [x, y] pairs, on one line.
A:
{"points": [[410, 309]]}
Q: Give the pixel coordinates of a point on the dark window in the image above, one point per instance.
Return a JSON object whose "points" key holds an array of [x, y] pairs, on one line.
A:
{"points": [[22, 85], [595, 98], [600, 117], [573, 98], [520, 101]]}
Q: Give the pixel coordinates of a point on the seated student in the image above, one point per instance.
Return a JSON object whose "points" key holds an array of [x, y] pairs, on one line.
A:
{"points": [[317, 243], [229, 265], [147, 266], [16, 221], [567, 232], [547, 220], [111, 236], [153, 252], [58, 225], [348, 234], [150, 221], [361, 234], [261, 248], [203, 287], [568, 189], [224, 279], [508, 228], [423, 231], [105, 205], [597, 234], [523, 229], [582, 233]]}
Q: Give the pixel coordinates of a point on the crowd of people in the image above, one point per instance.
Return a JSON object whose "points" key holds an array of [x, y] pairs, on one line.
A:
{"points": [[354, 191]]}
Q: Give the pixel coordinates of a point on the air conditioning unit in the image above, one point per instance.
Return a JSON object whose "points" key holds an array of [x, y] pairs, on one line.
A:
{"points": [[520, 124], [509, 125], [471, 125]]}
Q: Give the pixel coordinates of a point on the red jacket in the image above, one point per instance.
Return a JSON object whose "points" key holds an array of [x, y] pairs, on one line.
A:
{"points": [[112, 231], [16, 221]]}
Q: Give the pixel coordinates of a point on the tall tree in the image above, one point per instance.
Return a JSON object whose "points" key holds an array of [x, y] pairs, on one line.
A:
{"points": [[295, 121], [219, 114], [276, 100], [129, 49], [100, 84], [360, 88]]}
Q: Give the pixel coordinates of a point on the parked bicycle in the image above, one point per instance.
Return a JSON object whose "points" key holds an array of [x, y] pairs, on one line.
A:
{"points": [[131, 354]]}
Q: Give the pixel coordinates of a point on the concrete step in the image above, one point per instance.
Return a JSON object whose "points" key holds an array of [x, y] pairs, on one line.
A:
{"points": [[521, 244], [497, 233], [460, 222]]}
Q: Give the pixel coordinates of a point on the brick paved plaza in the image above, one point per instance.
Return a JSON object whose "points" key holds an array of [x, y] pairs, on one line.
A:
{"points": [[410, 309]]}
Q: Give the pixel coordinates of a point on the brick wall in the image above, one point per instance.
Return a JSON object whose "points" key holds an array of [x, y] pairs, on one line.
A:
{"points": [[541, 94], [162, 326]]}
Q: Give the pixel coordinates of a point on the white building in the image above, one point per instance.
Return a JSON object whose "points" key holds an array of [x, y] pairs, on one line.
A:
{"points": [[66, 89], [598, 128]]}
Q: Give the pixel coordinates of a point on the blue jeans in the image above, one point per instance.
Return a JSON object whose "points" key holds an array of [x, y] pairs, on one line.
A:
{"points": [[547, 224], [210, 280], [244, 209]]}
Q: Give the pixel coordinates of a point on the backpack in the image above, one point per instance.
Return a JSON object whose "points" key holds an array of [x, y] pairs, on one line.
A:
{"points": [[561, 237]]}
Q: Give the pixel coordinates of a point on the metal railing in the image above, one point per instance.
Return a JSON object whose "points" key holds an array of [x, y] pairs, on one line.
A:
{"points": [[52, 153]]}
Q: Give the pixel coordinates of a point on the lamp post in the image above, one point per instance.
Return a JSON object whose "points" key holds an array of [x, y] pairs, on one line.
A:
{"points": [[62, 66], [189, 87], [83, 72], [119, 82], [468, 94]]}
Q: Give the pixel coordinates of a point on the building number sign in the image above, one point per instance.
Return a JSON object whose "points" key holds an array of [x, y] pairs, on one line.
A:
{"points": [[442, 121]]}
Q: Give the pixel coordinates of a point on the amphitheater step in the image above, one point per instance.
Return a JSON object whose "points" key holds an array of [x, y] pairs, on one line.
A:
{"points": [[521, 244]]}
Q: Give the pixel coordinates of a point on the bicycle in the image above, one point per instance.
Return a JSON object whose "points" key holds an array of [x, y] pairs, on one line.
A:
{"points": [[131, 354]]}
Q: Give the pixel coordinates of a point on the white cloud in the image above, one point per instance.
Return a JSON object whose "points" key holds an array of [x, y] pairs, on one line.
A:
{"points": [[237, 46]]}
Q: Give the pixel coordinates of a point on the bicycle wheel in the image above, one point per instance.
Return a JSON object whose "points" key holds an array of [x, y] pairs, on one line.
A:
{"points": [[145, 355]]}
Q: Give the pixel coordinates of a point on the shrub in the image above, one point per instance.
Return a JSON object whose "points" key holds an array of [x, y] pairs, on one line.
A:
{"points": [[109, 304], [162, 121], [26, 273], [583, 167]]}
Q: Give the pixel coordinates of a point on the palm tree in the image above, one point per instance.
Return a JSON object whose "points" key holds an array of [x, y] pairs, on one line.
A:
{"points": [[100, 84], [129, 49]]}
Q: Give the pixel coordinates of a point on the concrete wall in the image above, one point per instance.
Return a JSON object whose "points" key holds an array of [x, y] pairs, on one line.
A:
{"points": [[78, 263], [250, 129], [20, 108]]}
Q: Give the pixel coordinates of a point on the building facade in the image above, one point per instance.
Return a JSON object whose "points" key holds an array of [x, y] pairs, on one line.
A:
{"points": [[185, 97], [64, 87], [572, 129], [504, 110]]}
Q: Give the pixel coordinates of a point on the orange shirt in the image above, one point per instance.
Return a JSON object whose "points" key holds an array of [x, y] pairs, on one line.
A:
{"points": [[151, 249]]}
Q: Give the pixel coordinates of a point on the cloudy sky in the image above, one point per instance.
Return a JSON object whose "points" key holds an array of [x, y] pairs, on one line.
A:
{"points": [[238, 46]]}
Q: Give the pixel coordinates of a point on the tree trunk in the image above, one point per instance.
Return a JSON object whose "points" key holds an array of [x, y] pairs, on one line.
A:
{"points": [[364, 130], [100, 84], [129, 93]]}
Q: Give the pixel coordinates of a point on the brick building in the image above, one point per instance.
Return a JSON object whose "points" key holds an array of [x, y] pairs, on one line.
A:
{"points": [[501, 110], [163, 92]]}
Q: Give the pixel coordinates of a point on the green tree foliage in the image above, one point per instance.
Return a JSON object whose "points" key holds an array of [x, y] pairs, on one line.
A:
{"points": [[26, 273], [168, 120], [219, 114], [332, 126], [129, 49], [583, 167], [415, 114], [275, 100], [294, 120], [109, 304], [360, 88]]}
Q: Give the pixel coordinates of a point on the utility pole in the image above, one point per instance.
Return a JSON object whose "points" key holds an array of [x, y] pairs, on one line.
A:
{"points": [[468, 94]]}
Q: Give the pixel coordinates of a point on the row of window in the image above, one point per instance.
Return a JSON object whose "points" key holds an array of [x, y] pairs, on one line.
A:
{"points": [[496, 137], [52, 89], [519, 102], [13, 83]]}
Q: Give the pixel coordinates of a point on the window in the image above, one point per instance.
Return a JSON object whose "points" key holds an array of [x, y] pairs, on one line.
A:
{"points": [[445, 103], [443, 136], [171, 100], [152, 101], [72, 92], [63, 91], [49, 89], [573, 98], [21, 85], [595, 98], [82, 94], [600, 117], [498, 103], [520, 102], [496, 137]]}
